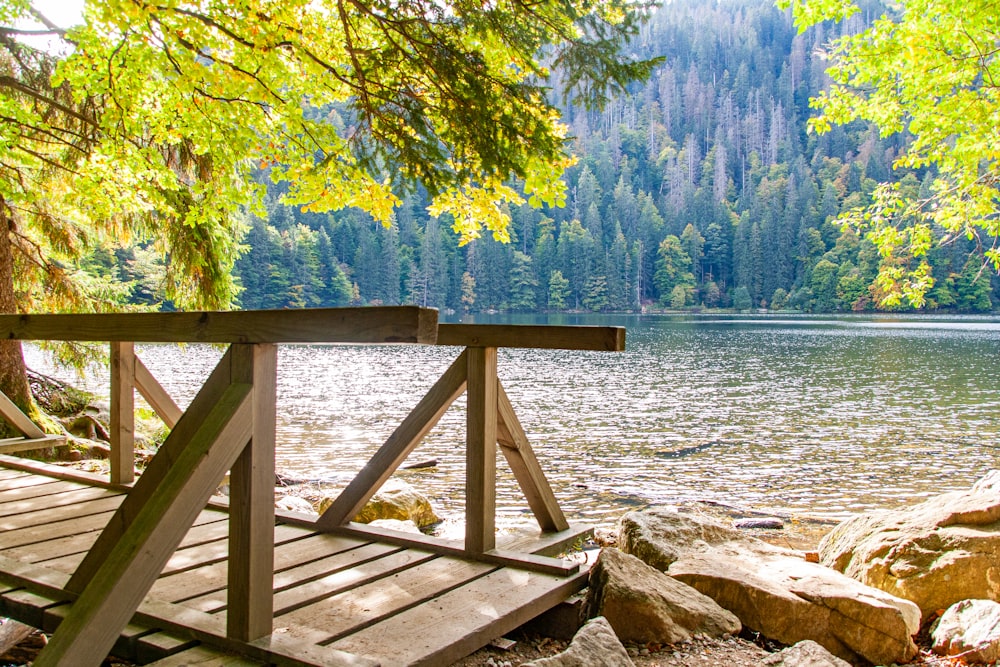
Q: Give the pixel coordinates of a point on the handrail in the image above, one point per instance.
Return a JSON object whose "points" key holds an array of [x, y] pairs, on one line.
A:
{"points": [[603, 339], [388, 324]]}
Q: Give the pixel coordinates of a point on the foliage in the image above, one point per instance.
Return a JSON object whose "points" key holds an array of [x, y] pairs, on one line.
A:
{"points": [[150, 129], [926, 68]]}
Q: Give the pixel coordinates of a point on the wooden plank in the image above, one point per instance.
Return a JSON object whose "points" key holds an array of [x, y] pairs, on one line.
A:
{"points": [[462, 620], [31, 485], [57, 472], [293, 564], [21, 537], [528, 473], [295, 604], [122, 412], [14, 445], [158, 645], [118, 585], [6, 474], [528, 561], [64, 513], [548, 544], [388, 324], [359, 606], [606, 339], [251, 505], [156, 395], [48, 503], [403, 440], [278, 647], [65, 552], [202, 656], [18, 419], [26, 606], [480, 449]]}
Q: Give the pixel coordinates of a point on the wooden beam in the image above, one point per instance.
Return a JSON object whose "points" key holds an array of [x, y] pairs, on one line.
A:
{"points": [[536, 562], [18, 419], [606, 339], [480, 449], [251, 507], [122, 580], [403, 440], [521, 458], [156, 395], [389, 324], [13, 445], [122, 412]]}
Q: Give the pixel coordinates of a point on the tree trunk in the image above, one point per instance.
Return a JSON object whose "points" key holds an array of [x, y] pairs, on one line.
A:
{"points": [[13, 372]]}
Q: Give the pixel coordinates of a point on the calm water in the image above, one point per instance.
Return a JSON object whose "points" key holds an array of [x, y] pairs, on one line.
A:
{"points": [[826, 416]]}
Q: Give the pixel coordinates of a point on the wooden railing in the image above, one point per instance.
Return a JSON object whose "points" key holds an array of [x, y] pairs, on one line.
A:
{"points": [[230, 426]]}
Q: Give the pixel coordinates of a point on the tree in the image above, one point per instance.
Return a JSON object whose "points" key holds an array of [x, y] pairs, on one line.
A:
{"points": [[673, 268], [558, 291], [522, 283], [150, 129], [927, 68]]}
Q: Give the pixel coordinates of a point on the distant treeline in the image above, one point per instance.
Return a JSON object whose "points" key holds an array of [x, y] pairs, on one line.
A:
{"points": [[700, 188]]}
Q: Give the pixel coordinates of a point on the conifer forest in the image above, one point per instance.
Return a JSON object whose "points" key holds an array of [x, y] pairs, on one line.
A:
{"points": [[700, 189]]}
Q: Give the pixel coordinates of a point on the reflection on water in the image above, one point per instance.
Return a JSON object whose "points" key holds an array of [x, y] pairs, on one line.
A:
{"points": [[828, 416]]}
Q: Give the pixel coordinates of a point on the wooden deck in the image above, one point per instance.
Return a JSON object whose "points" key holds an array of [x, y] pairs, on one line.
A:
{"points": [[338, 599], [146, 568]]}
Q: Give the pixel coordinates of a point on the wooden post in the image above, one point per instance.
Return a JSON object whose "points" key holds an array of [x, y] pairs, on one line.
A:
{"points": [[481, 446], [250, 611], [122, 412], [18, 419], [156, 395]]}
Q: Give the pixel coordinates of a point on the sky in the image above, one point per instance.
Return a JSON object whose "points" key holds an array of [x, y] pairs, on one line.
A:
{"points": [[64, 13]]}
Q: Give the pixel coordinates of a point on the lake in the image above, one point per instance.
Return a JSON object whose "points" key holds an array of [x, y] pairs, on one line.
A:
{"points": [[825, 416]]}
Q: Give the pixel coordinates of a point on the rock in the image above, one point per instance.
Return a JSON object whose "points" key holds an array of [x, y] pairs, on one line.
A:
{"points": [[768, 523], [804, 654], [970, 628], [936, 553], [773, 590], [395, 500], [644, 605], [595, 645], [294, 504]]}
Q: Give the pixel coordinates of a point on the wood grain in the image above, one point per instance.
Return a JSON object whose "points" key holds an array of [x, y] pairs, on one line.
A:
{"points": [[388, 324], [603, 339], [122, 412], [481, 449]]}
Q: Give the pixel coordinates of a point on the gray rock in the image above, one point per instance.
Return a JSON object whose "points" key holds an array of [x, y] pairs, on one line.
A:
{"points": [[595, 645], [644, 605], [936, 553], [804, 654], [752, 523], [772, 590], [970, 628]]}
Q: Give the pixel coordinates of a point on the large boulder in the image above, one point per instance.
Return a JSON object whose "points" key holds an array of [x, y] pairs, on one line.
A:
{"points": [[936, 553], [594, 645], [970, 628], [644, 605], [395, 500], [773, 590]]}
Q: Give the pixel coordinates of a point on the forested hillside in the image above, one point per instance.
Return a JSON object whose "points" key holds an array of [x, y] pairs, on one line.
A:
{"points": [[701, 188]]}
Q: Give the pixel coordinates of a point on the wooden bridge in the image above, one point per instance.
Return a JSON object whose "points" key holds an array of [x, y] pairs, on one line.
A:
{"points": [[151, 570]]}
